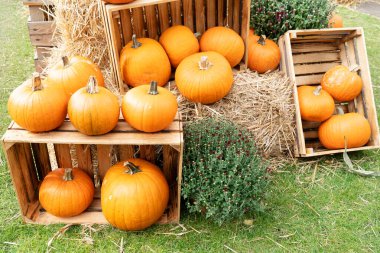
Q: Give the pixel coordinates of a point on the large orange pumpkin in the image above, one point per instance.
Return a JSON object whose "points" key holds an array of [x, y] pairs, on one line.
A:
{"points": [[204, 77], [224, 41], [66, 192], [134, 194], [352, 128], [342, 84], [263, 54], [73, 73], [179, 42], [336, 21], [315, 104], [93, 110], [144, 60], [36, 106], [149, 108]]}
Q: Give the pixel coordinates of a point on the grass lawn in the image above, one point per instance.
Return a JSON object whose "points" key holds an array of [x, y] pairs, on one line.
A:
{"points": [[309, 207]]}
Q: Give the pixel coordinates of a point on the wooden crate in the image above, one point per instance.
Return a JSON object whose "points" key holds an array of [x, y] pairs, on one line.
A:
{"points": [[149, 18], [306, 56], [28, 161]]}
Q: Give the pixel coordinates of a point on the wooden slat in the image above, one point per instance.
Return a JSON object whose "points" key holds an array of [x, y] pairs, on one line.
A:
{"points": [[314, 68], [36, 2], [84, 218], [310, 124], [200, 16], [148, 152], [175, 11], [308, 79], [296, 33], [336, 151], [316, 57], [84, 158], [126, 152], [313, 47], [41, 27], [116, 30], [126, 26], [311, 134], [29, 173], [138, 22], [188, 19], [43, 40], [221, 12], [170, 169], [230, 8], [62, 152], [151, 22], [236, 16], [211, 15], [41, 158], [104, 158], [163, 16], [43, 52], [245, 21], [135, 4], [36, 13]]}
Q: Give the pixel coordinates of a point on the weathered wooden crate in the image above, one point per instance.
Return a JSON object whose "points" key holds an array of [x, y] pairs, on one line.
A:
{"points": [[306, 56], [41, 28], [149, 18], [28, 161]]}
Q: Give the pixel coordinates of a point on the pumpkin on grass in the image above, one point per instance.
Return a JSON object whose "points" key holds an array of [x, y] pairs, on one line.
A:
{"points": [[36, 106], [204, 77], [342, 84], [144, 60], [336, 21], [315, 104], [352, 129], [134, 194], [72, 74], [94, 110], [263, 54], [179, 42], [149, 108], [225, 41], [66, 192]]}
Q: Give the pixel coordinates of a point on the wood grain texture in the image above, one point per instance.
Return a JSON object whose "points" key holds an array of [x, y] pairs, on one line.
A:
{"points": [[230, 15], [62, 152], [245, 21], [151, 21], [126, 26], [221, 12], [41, 158], [138, 22], [175, 11], [170, 169], [148, 152], [126, 152], [236, 16], [104, 158], [84, 158], [188, 19], [200, 16], [211, 15]]}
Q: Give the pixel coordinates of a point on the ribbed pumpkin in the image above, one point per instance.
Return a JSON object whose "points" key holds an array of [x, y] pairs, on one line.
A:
{"points": [[73, 73], [336, 21], [225, 41], [352, 127], [66, 192], [342, 84], [179, 42], [263, 54], [94, 110], [134, 194], [149, 108], [315, 104], [144, 60], [36, 106], [204, 77]]}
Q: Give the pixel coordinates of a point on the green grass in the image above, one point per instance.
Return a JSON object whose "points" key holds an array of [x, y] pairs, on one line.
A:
{"points": [[333, 211]]}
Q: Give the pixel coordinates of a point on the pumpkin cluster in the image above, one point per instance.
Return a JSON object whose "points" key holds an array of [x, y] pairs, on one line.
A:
{"points": [[317, 104]]}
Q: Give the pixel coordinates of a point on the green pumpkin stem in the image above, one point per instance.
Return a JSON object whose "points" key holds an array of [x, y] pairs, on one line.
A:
{"points": [[92, 85], [317, 90], [153, 88], [65, 60], [36, 82], [131, 168], [135, 43], [204, 63], [262, 39], [340, 110], [68, 174]]}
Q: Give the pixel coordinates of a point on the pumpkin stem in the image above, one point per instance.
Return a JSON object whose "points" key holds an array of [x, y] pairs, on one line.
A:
{"points": [[197, 35], [153, 88], [340, 110], [204, 64], [135, 43], [262, 39], [92, 85], [36, 82], [317, 90], [132, 168], [65, 60], [68, 175]]}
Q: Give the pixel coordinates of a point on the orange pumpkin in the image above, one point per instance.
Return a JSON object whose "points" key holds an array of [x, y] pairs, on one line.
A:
{"points": [[336, 21], [72, 74], [149, 108], [224, 41], [315, 104], [263, 54], [144, 60], [94, 110], [342, 84], [36, 106], [179, 42], [352, 128], [134, 194], [66, 192], [204, 77]]}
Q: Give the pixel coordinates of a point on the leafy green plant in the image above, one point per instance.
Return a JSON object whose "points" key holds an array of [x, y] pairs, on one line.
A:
{"points": [[223, 174], [274, 17]]}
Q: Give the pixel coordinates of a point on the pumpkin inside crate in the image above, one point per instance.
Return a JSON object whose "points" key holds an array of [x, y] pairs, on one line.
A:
{"points": [[306, 55]]}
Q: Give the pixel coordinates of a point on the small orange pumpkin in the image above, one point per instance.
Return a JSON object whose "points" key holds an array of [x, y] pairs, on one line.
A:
{"points": [[225, 41], [179, 42], [66, 192], [204, 77], [94, 110], [315, 104], [72, 74], [342, 84], [134, 194], [149, 108], [351, 128], [336, 21], [144, 60], [36, 106], [263, 54]]}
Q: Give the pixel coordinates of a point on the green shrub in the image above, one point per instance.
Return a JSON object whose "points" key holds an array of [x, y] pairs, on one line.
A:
{"points": [[223, 175], [274, 17]]}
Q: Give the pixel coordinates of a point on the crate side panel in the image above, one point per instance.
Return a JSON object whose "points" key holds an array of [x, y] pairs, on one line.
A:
{"points": [[170, 169], [41, 158]]}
